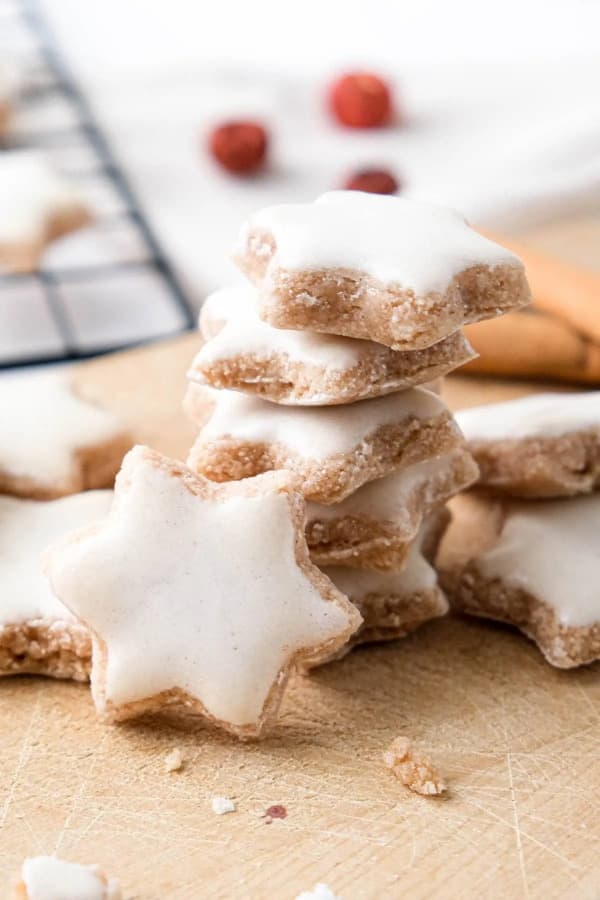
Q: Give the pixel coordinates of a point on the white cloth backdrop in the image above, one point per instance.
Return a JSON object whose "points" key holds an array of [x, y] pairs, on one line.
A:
{"points": [[501, 104]]}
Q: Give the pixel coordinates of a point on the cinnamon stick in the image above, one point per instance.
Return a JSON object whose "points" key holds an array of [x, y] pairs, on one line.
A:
{"points": [[569, 292], [533, 344]]}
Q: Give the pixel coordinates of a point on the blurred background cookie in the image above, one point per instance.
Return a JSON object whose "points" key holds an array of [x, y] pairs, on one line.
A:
{"points": [[38, 635], [38, 206]]}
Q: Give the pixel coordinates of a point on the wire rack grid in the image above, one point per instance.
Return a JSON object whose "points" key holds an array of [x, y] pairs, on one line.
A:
{"points": [[110, 285]]}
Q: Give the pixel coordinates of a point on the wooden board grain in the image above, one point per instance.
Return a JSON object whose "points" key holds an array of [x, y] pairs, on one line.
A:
{"points": [[516, 740]]}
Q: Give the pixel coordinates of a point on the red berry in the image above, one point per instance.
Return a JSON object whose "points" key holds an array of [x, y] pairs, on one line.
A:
{"points": [[373, 181], [276, 812], [240, 147], [361, 100]]}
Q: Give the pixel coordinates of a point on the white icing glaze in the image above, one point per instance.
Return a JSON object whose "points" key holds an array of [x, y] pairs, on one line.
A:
{"points": [[244, 332], [49, 878], [384, 498], [200, 593], [551, 549], [320, 891], [44, 422], [314, 432], [416, 575], [31, 192], [27, 527], [416, 245], [540, 415]]}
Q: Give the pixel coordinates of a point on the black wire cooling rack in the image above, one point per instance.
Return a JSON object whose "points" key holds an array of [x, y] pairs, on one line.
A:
{"points": [[108, 286]]}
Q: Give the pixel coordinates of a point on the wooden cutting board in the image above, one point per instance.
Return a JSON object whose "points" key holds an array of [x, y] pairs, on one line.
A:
{"points": [[517, 741]]}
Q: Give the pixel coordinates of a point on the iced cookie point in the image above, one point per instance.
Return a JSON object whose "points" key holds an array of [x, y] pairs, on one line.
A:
{"points": [[198, 593]]}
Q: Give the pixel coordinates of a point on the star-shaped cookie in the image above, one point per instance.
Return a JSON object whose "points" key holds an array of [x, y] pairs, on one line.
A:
{"points": [[198, 593], [382, 268], [535, 565], [38, 206], [53, 442], [332, 450], [545, 445], [38, 634], [305, 368]]}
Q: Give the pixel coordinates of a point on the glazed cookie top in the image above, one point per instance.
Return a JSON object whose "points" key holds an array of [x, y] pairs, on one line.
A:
{"points": [[230, 322], [197, 586], [313, 432], [386, 498], [417, 245], [551, 549], [49, 878], [541, 415], [32, 193], [27, 527], [44, 423]]}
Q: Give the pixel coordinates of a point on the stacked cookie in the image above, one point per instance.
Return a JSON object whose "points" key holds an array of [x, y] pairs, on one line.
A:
{"points": [[528, 552], [319, 367]]}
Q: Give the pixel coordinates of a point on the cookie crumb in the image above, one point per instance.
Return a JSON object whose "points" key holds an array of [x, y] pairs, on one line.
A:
{"points": [[222, 805], [415, 771], [319, 892], [174, 760]]}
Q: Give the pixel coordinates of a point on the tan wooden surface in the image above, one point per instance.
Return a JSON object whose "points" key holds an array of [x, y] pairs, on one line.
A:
{"points": [[517, 741]]}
